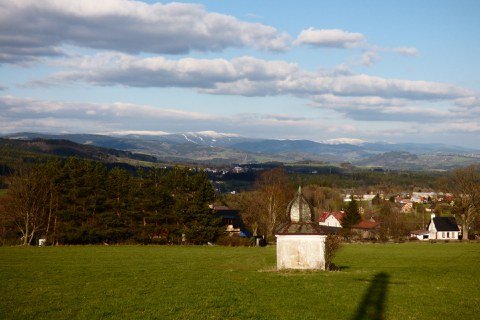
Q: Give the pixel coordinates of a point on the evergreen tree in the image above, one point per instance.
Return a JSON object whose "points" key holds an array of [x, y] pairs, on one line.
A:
{"points": [[376, 200], [201, 224], [352, 214], [76, 201]]}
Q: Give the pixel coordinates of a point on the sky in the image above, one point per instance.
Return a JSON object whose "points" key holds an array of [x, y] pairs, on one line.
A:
{"points": [[372, 70]]}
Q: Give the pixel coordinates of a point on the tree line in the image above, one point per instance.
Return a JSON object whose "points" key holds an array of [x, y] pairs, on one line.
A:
{"points": [[264, 207], [77, 201]]}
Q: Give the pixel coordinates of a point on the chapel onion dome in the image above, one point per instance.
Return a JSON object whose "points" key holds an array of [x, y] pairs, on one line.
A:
{"points": [[301, 218], [299, 210]]}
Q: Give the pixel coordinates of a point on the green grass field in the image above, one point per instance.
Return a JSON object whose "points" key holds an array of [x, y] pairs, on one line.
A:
{"points": [[376, 281]]}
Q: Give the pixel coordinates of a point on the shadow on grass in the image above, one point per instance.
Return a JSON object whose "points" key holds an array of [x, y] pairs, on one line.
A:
{"points": [[372, 305]]}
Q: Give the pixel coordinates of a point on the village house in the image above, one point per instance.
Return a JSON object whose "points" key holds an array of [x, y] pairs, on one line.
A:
{"points": [[406, 206], [439, 228], [365, 229], [443, 228], [331, 219]]}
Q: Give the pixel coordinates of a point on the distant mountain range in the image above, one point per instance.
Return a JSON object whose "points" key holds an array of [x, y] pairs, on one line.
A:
{"points": [[218, 148]]}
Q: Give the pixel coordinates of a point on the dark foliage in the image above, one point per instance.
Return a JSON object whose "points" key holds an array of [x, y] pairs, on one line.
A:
{"points": [[86, 203], [352, 214], [333, 243]]}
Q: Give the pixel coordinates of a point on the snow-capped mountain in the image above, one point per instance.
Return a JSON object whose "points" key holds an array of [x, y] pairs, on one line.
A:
{"points": [[231, 148]]}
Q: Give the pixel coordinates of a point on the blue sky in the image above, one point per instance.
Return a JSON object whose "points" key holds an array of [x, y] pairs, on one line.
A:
{"points": [[395, 71]]}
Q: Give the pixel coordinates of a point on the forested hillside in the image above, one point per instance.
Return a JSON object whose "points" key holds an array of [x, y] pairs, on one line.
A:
{"points": [[14, 152]]}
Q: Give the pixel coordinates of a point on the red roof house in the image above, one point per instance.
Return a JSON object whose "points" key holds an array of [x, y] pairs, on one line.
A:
{"points": [[331, 219]]}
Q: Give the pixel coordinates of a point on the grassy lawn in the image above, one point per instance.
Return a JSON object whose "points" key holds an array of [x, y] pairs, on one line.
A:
{"points": [[392, 281]]}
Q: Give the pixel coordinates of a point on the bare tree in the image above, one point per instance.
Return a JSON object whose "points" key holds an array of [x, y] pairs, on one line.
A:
{"points": [[465, 187], [26, 203], [274, 195], [265, 207], [323, 198], [393, 222], [248, 204]]}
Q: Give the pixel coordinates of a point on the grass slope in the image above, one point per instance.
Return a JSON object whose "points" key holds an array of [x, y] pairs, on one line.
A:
{"points": [[377, 281]]}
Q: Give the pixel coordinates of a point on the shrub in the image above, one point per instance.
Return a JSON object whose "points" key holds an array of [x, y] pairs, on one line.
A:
{"points": [[234, 241], [332, 245]]}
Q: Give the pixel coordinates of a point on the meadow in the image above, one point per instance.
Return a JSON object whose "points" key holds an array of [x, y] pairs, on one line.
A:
{"points": [[375, 281]]}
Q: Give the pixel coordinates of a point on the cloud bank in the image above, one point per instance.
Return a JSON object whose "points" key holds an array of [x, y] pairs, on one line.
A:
{"points": [[107, 118], [357, 96], [32, 29]]}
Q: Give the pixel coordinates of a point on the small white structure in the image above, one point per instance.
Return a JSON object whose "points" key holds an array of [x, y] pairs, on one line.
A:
{"points": [[42, 242], [420, 234], [300, 241]]}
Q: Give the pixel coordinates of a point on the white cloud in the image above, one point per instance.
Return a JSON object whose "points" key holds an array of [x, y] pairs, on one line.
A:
{"points": [[246, 76], [344, 141], [365, 85], [333, 101], [369, 58], [122, 69], [466, 126], [468, 103], [42, 27], [406, 51], [356, 96], [15, 107], [335, 38], [22, 114], [372, 108], [137, 132]]}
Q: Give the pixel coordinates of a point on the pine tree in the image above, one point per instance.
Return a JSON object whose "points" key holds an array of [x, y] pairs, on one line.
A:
{"points": [[201, 223], [352, 215]]}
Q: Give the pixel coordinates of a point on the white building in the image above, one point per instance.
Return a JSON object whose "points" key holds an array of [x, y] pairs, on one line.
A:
{"points": [[331, 219], [300, 241], [439, 228], [443, 228]]}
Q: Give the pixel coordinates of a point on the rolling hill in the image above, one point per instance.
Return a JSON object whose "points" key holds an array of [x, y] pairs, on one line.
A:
{"points": [[211, 147]]}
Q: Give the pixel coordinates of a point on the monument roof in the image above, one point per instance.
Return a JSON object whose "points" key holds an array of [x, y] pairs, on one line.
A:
{"points": [[300, 218], [301, 228], [299, 210]]}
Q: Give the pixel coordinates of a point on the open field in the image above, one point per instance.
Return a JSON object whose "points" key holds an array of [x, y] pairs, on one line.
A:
{"points": [[389, 281]]}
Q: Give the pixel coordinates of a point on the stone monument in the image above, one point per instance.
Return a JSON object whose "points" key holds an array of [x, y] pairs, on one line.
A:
{"points": [[300, 241]]}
